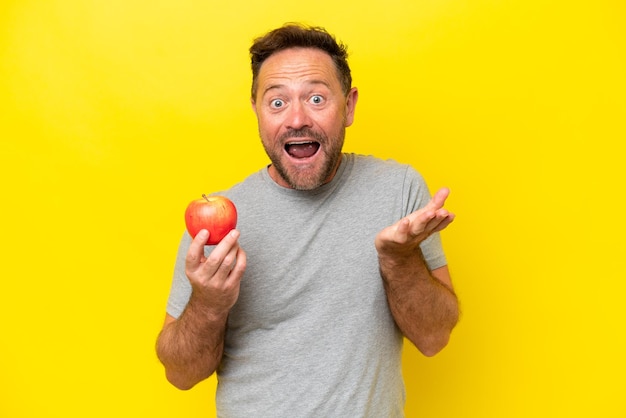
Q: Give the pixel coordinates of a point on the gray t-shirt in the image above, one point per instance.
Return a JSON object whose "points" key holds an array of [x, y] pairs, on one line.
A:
{"points": [[311, 334]]}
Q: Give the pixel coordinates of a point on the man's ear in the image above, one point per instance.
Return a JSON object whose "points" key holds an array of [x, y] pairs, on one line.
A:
{"points": [[253, 103], [351, 99]]}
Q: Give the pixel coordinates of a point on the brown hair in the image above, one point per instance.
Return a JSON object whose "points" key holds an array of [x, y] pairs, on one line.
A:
{"points": [[294, 35]]}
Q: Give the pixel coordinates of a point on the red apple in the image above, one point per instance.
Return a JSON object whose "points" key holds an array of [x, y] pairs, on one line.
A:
{"points": [[216, 214]]}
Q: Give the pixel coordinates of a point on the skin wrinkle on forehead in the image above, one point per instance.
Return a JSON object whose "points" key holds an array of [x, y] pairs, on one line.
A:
{"points": [[271, 74]]}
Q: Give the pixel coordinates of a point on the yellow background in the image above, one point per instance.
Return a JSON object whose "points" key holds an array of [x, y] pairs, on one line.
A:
{"points": [[114, 114]]}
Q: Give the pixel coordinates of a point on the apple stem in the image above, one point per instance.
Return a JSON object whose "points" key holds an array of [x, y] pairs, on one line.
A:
{"points": [[205, 197]]}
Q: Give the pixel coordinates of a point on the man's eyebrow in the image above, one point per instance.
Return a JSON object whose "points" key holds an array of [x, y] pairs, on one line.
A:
{"points": [[273, 87]]}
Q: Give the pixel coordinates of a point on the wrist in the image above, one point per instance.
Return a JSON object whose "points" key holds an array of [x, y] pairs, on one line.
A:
{"points": [[402, 259], [403, 266], [200, 309]]}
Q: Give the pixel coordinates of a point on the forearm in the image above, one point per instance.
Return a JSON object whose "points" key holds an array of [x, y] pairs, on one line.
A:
{"points": [[191, 347], [424, 308]]}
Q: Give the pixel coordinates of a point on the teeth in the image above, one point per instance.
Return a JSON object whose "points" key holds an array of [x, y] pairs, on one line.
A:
{"points": [[288, 145]]}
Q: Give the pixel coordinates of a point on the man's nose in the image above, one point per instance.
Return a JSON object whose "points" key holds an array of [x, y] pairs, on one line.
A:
{"points": [[298, 116]]}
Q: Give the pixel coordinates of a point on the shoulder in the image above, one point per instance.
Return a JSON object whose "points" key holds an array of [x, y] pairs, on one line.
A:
{"points": [[384, 168], [254, 192], [391, 179], [250, 184]]}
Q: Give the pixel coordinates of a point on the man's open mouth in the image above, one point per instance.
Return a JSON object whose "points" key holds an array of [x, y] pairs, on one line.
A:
{"points": [[304, 149]]}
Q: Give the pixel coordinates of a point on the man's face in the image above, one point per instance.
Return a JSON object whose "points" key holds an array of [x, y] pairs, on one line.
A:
{"points": [[302, 114]]}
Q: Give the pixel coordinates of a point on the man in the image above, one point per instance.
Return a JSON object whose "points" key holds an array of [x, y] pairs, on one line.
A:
{"points": [[342, 259]]}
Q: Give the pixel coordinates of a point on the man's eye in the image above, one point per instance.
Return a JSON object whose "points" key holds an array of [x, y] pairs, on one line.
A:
{"points": [[317, 99], [277, 103]]}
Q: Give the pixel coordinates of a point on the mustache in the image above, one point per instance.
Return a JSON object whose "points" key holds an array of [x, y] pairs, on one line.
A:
{"points": [[302, 133]]}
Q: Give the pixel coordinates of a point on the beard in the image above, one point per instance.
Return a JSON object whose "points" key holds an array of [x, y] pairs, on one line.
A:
{"points": [[311, 176]]}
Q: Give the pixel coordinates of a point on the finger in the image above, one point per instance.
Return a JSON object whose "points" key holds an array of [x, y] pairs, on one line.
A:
{"points": [[420, 220], [402, 230], [238, 268], [226, 244], [439, 223], [195, 253], [428, 222], [221, 251], [228, 262], [429, 211], [242, 262], [438, 199]]}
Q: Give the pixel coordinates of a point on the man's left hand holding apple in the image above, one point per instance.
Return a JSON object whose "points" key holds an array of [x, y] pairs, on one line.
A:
{"points": [[191, 346]]}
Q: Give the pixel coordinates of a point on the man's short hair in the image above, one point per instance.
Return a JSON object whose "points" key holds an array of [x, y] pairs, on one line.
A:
{"points": [[296, 35]]}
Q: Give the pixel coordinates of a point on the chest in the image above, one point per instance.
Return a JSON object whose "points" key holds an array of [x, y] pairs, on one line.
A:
{"points": [[308, 260]]}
